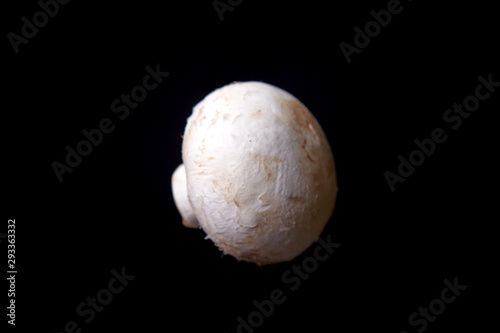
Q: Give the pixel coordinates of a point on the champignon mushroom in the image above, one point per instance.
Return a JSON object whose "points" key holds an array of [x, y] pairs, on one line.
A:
{"points": [[258, 173]]}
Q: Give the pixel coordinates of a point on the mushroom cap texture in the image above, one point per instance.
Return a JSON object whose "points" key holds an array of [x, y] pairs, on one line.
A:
{"points": [[259, 171]]}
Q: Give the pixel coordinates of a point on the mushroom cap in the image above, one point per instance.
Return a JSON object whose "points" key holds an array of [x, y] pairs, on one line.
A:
{"points": [[260, 174]]}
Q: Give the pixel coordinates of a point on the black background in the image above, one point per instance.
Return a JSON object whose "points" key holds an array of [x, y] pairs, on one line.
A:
{"points": [[116, 209]]}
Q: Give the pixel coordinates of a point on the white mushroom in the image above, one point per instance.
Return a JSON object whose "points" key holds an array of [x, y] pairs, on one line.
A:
{"points": [[258, 173]]}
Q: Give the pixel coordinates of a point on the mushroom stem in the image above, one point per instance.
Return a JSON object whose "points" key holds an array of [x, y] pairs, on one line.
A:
{"points": [[179, 190]]}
